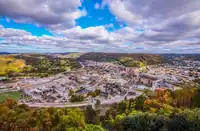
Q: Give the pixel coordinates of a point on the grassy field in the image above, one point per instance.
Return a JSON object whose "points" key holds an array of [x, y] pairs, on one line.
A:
{"points": [[13, 95], [39, 65], [10, 64]]}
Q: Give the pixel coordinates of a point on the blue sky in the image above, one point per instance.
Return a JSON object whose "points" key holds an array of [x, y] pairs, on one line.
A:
{"points": [[35, 30], [97, 17], [94, 17], [100, 25]]}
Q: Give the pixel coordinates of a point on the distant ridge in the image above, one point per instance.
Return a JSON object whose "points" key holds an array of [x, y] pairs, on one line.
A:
{"points": [[5, 53], [98, 56]]}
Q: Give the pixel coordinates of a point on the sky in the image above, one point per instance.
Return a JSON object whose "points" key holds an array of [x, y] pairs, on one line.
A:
{"points": [[123, 26]]}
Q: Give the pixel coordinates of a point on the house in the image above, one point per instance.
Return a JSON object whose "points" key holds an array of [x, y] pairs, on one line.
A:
{"points": [[85, 90]]}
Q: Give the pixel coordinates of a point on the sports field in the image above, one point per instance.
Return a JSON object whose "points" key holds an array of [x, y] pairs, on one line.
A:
{"points": [[13, 95]]}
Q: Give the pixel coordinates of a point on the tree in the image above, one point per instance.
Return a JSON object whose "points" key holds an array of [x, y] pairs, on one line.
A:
{"points": [[191, 114], [10, 103], [179, 123], [98, 102], [97, 91], [196, 98], [183, 98], [27, 69], [77, 98], [142, 122], [71, 92], [92, 94], [90, 127], [122, 107], [92, 116], [3, 110], [73, 118], [139, 102]]}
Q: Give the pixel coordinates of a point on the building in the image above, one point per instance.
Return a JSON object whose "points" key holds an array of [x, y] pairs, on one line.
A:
{"points": [[146, 79]]}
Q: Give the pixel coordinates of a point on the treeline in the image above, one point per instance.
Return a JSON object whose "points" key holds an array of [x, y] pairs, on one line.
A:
{"points": [[15, 117], [162, 110], [115, 57], [154, 122], [44, 65]]}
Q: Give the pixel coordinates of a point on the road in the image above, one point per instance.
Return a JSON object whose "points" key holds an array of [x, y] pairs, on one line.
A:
{"points": [[59, 105], [82, 65], [82, 104]]}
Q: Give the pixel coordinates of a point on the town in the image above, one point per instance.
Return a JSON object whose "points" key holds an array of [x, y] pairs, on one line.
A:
{"points": [[99, 65], [105, 82]]}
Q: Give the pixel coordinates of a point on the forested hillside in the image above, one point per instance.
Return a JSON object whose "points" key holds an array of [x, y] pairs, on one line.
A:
{"points": [[34, 65], [8, 63], [144, 58]]}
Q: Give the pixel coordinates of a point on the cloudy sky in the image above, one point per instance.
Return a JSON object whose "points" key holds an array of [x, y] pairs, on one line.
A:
{"points": [[132, 26]]}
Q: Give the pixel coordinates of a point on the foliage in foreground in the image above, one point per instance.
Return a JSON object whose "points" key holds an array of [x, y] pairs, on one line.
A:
{"points": [[23, 118], [163, 110]]}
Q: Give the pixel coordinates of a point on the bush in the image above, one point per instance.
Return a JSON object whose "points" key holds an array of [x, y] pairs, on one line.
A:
{"points": [[77, 98]]}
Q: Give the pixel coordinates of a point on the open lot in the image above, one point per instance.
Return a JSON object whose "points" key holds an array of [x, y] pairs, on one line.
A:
{"points": [[13, 95]]}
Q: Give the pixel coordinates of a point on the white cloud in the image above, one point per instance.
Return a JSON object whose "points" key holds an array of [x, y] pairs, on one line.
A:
{"points": [[96, 6], [163, 26], [92, 39], [119, 9], [102, 5], [162, 22], [152, 10], [50, 13], [9, 32]]}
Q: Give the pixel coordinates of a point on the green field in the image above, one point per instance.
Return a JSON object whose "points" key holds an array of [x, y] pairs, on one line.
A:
{"points": [[13, 95]]}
